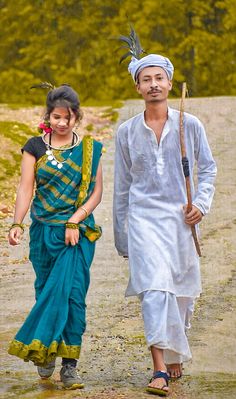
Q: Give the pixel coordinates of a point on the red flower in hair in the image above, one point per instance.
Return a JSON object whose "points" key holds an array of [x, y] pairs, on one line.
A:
{"points": [[44, 127]]}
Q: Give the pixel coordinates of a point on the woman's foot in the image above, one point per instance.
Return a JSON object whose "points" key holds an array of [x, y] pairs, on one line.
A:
{"points": [[159, 384], [47, 371], [70, 377], [174, 370]]}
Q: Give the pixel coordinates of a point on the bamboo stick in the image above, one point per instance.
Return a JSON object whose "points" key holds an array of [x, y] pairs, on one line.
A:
{"points": [[185, 164]]}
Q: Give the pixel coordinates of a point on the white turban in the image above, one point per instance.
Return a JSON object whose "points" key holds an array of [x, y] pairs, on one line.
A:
{"points": [[137, 66]]}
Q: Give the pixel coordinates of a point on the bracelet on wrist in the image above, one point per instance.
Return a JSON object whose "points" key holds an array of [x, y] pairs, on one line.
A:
{"points": [[17, 225], [85, 210], [71, 225]]}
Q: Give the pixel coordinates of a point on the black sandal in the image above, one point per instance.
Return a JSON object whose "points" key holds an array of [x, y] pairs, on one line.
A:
{"points": [[159, 391]]}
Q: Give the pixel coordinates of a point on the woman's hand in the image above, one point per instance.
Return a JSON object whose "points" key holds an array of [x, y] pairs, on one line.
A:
{"points": [[193, 217], [71, 236], [14, 236]]}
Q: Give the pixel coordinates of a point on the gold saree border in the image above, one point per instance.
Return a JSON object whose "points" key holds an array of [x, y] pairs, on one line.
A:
{"points": [[40, 354], [86, 169]]}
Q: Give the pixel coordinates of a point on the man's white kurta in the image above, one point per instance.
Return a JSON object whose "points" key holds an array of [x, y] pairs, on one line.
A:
{"points": [[149, 196]]}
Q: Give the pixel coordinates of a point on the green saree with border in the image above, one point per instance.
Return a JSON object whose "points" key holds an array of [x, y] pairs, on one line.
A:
{"points": [[56, 323]]}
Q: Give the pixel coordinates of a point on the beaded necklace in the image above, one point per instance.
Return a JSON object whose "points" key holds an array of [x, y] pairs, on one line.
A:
{"points": [[50, 148]]}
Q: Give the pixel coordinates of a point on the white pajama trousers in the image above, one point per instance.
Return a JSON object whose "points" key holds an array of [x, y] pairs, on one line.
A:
{"points": [[166, 319]]}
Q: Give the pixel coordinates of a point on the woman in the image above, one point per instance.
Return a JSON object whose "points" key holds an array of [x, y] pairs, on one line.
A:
{"points": [[68, 177]]}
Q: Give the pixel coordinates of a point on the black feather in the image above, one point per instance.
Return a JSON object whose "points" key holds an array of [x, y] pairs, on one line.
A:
{"points": [[125, 56], [43, 85], [132, 42], [126, 40]]}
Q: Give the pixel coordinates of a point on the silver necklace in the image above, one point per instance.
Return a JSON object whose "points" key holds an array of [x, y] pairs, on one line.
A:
{"points": [[50, 148]]}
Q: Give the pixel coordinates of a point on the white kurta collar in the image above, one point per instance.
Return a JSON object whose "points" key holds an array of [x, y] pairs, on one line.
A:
{"points": [[166, 128]]}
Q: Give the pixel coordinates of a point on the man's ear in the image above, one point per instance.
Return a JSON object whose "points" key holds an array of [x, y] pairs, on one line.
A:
{"points": [[170, 85], [137, 87]]}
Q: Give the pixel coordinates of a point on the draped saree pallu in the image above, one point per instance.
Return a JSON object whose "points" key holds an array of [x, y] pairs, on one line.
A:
{"points": [[56, 323]]}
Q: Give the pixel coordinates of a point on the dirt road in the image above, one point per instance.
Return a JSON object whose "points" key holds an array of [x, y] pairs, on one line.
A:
{"points": [[115, 362]]}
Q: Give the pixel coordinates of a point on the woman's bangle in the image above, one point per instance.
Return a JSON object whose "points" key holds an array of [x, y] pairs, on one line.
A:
{"points": [[17, 225], [85, 210], [70, 225]]}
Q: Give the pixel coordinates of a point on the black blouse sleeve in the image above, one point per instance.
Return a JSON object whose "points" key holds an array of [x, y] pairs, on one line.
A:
{"points": [[35, 146]]}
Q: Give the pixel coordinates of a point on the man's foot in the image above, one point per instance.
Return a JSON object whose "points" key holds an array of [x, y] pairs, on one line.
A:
{"points": [[47, 371], [70, 377], [159, 384], [174, 370]]}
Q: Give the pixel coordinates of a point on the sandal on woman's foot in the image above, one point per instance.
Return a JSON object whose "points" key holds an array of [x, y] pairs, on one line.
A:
{"points": [[159, 391]]}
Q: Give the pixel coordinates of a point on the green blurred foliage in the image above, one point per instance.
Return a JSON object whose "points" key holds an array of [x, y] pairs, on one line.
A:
{"points": [[75, 42], [13, 136]]}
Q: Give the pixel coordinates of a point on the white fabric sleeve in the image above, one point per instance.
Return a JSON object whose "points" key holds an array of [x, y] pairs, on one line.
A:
{"points": [[122, 182], [206, 172]]}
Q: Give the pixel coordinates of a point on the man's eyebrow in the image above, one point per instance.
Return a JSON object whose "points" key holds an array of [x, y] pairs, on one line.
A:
{"points": [[156, 74]]}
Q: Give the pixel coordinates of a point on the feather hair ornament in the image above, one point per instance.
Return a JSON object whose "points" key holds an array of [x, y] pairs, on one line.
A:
{"points": [[132, 43], [43, 85], [137, 63]]}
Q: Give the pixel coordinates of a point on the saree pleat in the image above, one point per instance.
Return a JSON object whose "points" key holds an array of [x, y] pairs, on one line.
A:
{"points": [[56, 323]]}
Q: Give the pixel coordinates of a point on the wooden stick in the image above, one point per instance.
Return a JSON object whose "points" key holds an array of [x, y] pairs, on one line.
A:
{"points": [[185, 164]]}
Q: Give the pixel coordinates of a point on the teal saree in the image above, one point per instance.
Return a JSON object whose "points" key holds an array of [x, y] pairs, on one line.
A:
{"points": [[56, 323]]}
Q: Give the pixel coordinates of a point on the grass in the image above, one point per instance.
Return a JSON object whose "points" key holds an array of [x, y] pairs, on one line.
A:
{"points": [[112, 114], [17, 132], [103, 103], [15, 106]]}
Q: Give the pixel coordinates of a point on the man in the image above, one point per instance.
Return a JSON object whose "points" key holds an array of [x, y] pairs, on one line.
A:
{"points": [[151, 225]]}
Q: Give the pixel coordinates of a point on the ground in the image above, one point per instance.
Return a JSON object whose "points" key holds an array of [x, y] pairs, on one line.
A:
{"points": [[115, 362]]}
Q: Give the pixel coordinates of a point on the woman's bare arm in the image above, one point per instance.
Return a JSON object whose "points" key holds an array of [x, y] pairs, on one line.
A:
{"points": [[24, 195]]}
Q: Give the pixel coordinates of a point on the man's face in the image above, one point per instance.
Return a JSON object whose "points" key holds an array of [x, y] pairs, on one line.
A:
{"points": [[153, 84]]}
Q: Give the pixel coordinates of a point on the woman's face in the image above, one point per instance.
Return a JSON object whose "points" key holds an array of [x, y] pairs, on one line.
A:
{"points": [[62, 121]]}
